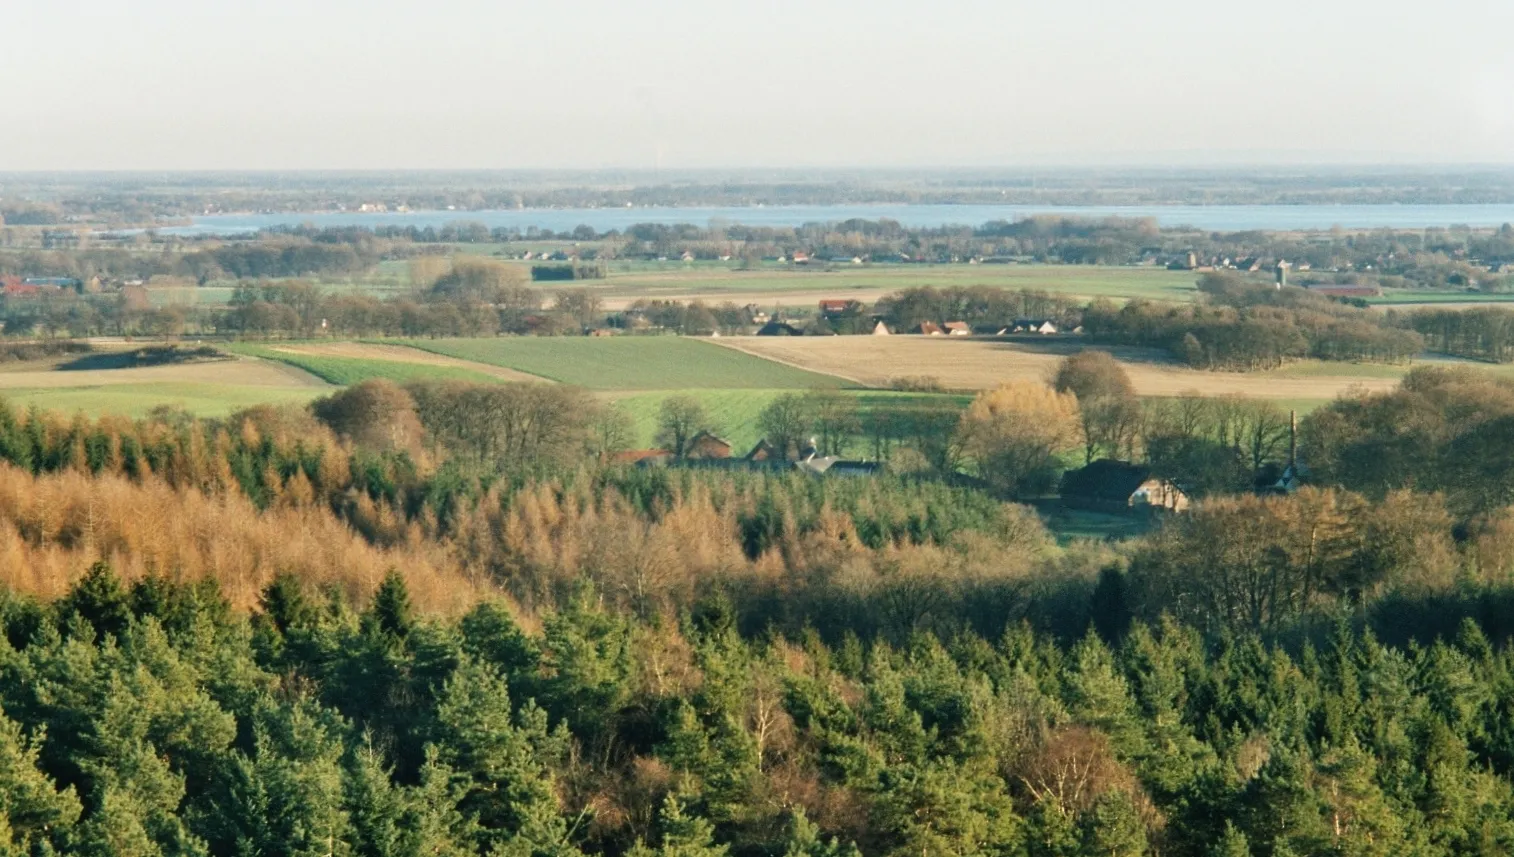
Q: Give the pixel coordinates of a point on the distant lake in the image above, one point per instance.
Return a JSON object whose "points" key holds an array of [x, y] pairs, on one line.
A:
{"points": [[1226, 218]]}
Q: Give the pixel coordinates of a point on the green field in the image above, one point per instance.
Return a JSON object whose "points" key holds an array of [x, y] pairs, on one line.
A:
{"points": [[135, 400], [716, 281], [713, 279], [351, 370], [630, 362], [1390, 298]]}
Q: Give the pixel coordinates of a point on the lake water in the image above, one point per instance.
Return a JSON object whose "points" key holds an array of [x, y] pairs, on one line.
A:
{"points": [[1227, 218]]}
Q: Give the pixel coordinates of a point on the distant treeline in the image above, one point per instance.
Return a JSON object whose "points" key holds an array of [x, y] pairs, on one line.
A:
{"points": [[138, 199], [1455, 258], [268, 257], [1245, 327]]}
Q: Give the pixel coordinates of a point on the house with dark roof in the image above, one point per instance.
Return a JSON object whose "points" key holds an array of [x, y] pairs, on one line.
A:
{"points": [[764, 451], [958, 328], [1107, 485], [779, 328], [642, 457]]}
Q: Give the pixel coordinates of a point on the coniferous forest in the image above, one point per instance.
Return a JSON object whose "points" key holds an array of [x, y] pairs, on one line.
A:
{"points": [[436, 621]]}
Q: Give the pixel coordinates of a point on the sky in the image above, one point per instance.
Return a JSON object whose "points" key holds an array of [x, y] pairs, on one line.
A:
{"points": [[442, 84]]}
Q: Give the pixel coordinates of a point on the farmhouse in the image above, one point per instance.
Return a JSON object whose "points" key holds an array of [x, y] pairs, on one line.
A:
{"points": [[839, 308], [708, 445], [763, 451], [880, 329], [1113, 486], [929, 328], [831, 465], [958, 328]]}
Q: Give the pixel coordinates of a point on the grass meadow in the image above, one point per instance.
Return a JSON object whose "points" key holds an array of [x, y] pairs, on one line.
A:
{"points": [[136, 400], [342, 371], [630, 362]]}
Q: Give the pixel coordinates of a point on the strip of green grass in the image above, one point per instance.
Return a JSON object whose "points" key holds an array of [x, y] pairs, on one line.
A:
{"points": [[1412, 297], [136, 400], [352, 370], [630, 362]]}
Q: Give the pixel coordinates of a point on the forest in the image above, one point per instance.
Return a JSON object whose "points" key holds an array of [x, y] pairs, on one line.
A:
{"points": [[438, 619]]}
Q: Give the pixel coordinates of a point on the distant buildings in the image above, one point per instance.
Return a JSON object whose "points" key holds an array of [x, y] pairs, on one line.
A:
{"points": [[1043, 326], [1107, 485]]}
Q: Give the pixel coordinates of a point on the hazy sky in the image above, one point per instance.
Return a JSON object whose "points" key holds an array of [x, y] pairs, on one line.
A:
{"points": [[278, 84]]}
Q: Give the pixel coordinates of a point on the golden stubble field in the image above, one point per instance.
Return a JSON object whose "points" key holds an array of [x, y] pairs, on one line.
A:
{"points": [[977, 364]]}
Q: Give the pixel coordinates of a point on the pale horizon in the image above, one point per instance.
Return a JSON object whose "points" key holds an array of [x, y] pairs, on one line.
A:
{"points": [[456, 85]]}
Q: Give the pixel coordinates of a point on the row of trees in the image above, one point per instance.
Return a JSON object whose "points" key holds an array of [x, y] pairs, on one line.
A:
{"points": [[1479, 333], [269, 256], [1247, 327], [983, 307]]}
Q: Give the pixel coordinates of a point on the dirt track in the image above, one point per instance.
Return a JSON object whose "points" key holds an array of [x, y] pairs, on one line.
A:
{"points": [[976, 364]]}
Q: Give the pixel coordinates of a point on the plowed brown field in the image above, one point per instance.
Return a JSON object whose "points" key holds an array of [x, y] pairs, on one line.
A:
{"points": [[976, 364]]}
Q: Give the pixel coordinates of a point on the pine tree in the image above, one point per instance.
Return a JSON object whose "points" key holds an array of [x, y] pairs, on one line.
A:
{"points": [[98, 599], [375, 807], [505, 762], [804, 840], [391, 613], [682, 835], [491, 635], [33, 811], [284, 603], [286, 799], [1232, 844], [1113, 827]]}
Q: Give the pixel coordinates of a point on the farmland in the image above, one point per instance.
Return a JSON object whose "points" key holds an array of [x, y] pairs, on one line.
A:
{"points": [[768, 283], [345, 363], [631, 363], [976, 364], [867, 283], [137, 399], [209, 389]]}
